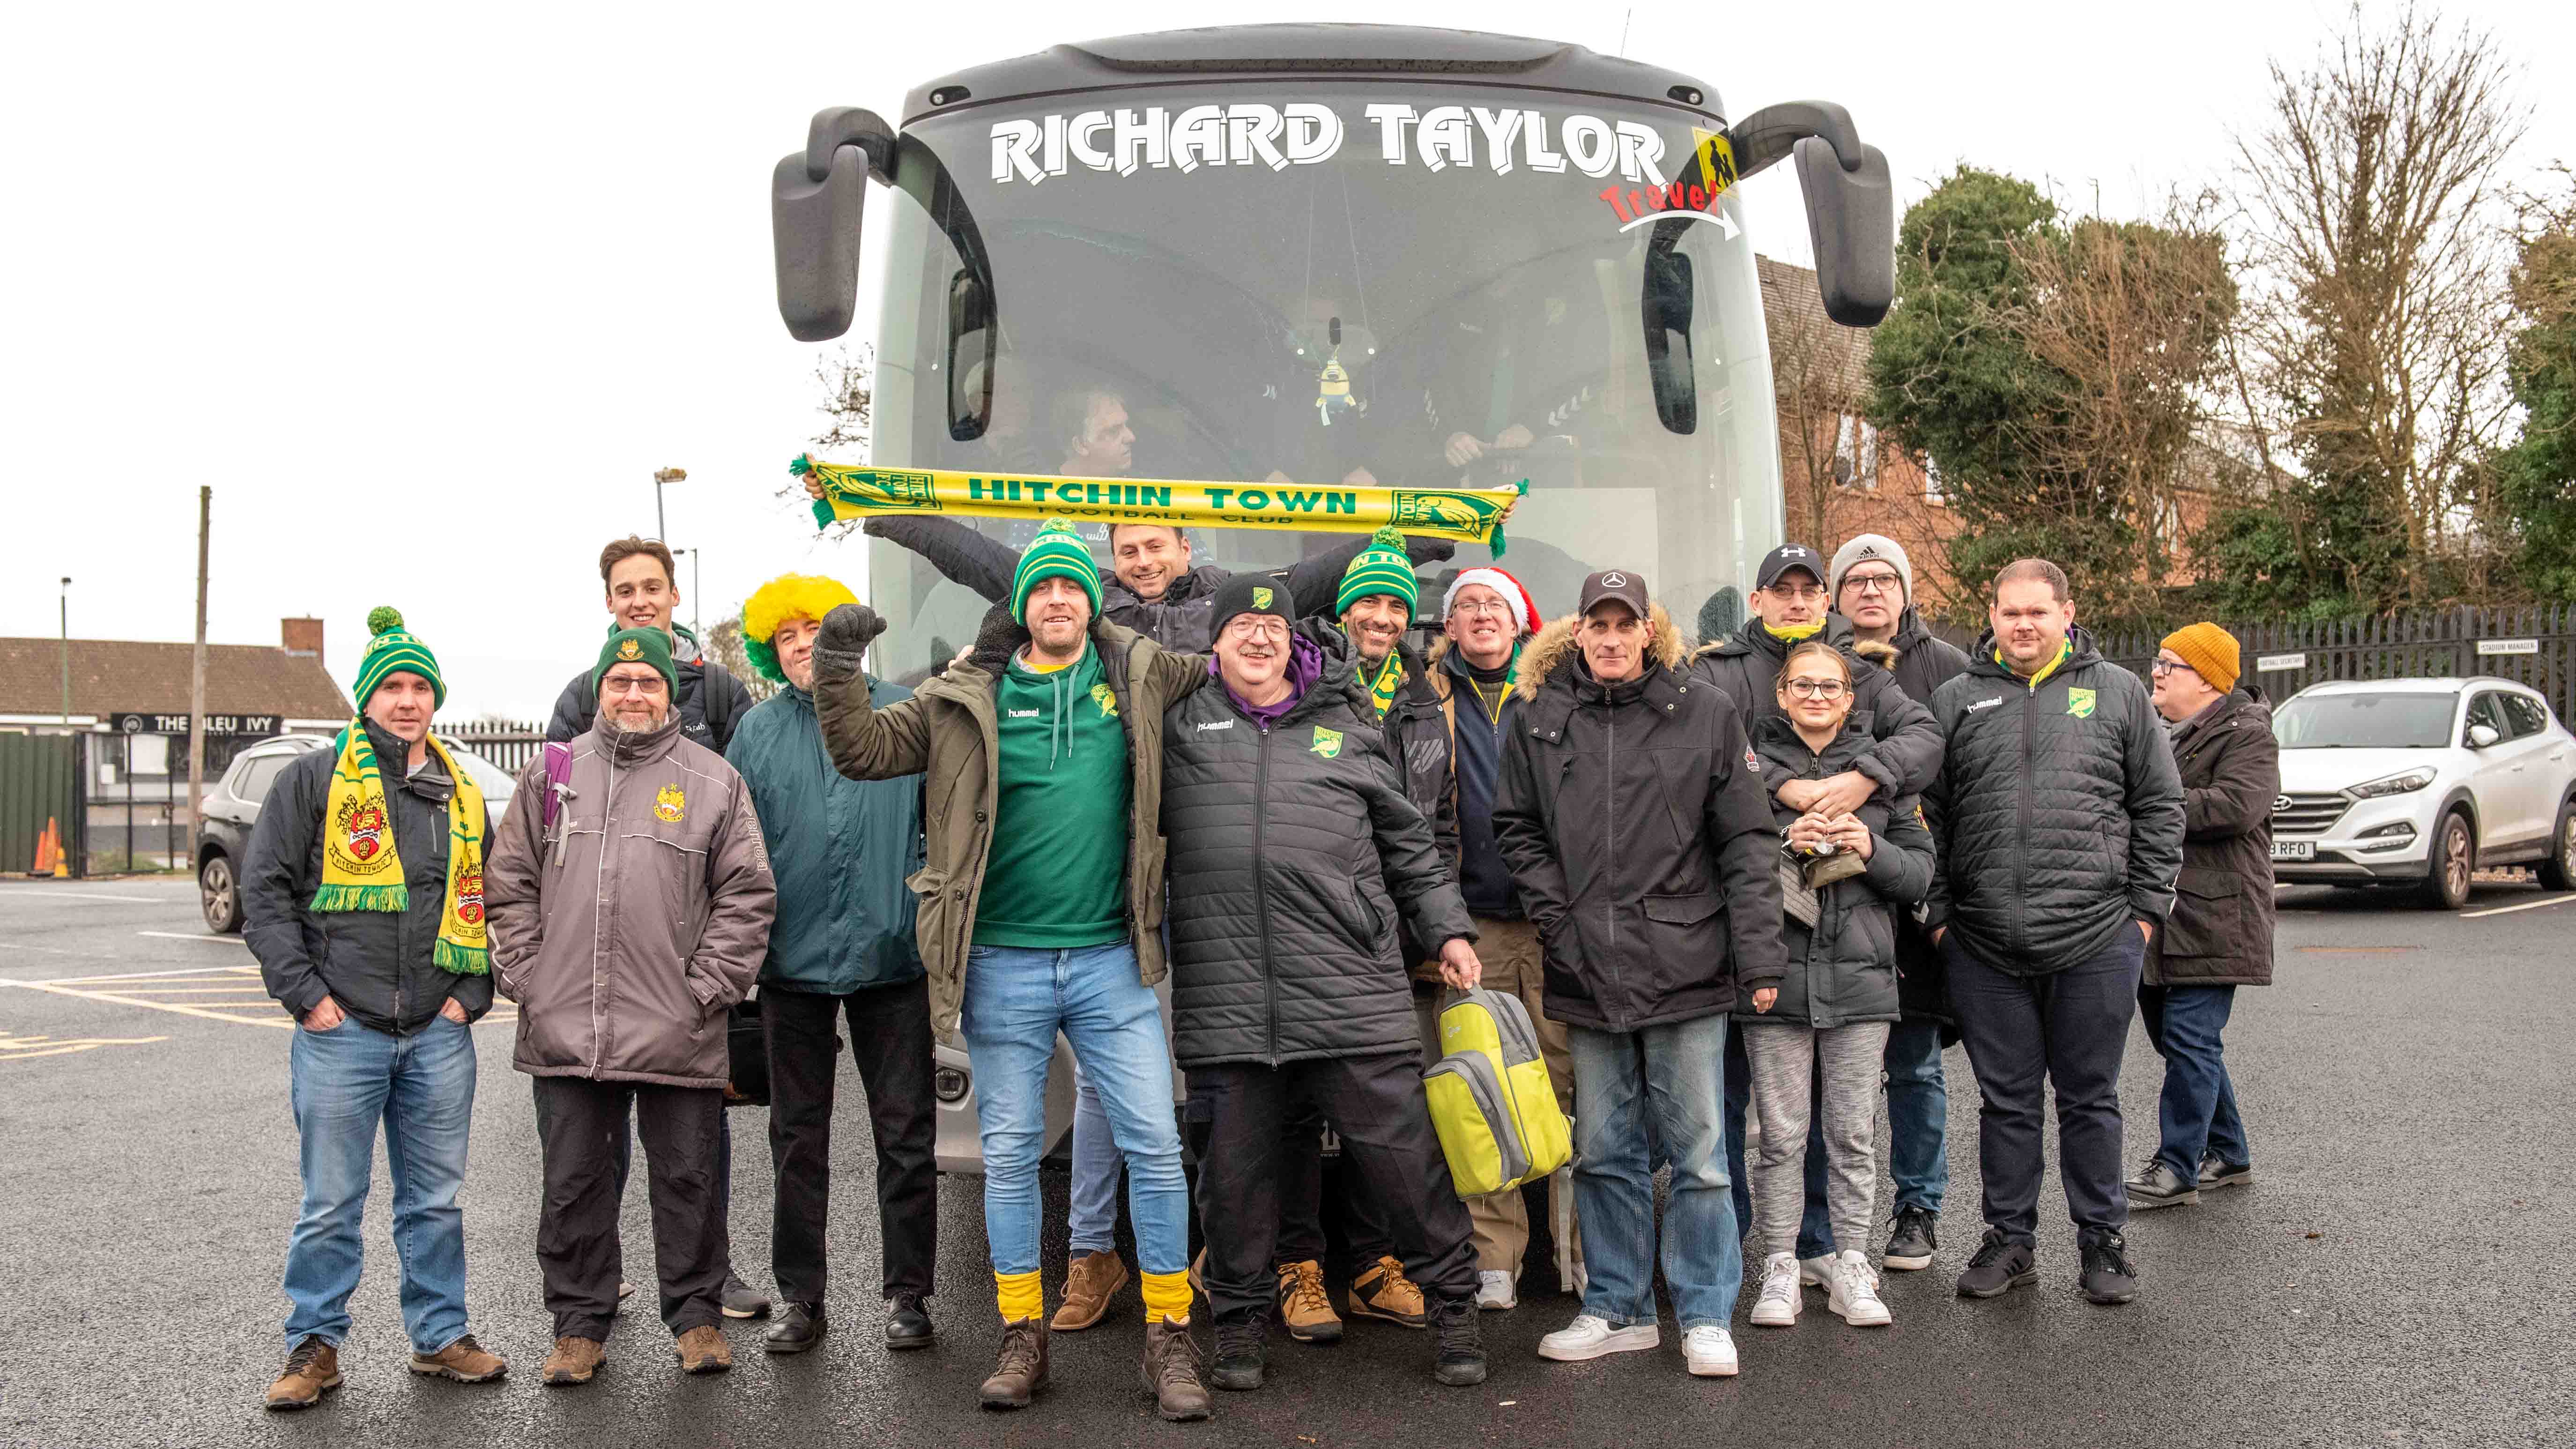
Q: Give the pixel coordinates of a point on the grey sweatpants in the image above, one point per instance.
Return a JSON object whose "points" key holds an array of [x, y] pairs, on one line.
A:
{"points": [[1786, 1059]]}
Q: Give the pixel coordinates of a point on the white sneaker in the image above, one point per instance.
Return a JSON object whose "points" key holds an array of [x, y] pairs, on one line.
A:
{"points": [[1590, 1336], [1853, 1291], [1778, 1305], [1495, 1290], [1816, 1272], [1709, 1352]]}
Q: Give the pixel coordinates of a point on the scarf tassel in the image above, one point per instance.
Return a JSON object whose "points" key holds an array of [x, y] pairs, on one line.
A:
{"points": [[361, 898]]}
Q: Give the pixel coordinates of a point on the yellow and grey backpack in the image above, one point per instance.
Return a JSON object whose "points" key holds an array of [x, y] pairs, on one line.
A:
{"points": [[1491, 1101]]}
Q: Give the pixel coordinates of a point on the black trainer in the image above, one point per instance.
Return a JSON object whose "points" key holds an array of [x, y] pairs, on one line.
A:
{"points": [[1462, 1346], [1999, 1267], [1238, 1350], [2214, 1173], [1916, 1239], [908, 1323], [799, 1327], [2108, 1277], [2157, 1185]]}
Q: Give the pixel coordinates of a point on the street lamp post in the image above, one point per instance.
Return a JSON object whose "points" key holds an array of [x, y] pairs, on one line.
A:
{"points": [[693, 594], [662, 530], [67, 652]]}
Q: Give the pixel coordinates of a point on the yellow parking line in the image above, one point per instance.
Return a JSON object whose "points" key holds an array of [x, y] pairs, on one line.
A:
{"points": [[171, 1006], [28, 1048]]}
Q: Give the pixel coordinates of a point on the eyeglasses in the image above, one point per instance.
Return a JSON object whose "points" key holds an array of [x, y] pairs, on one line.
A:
{"points": [[1257, 626], [1870, 583], [649, 684], [1816, 688], [1798, 593], [2163, 667], [1483, 607]]}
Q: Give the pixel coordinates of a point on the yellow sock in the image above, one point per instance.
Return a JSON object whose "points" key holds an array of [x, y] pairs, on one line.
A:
{"points": [[1020, 1295], [1167, 1296]]}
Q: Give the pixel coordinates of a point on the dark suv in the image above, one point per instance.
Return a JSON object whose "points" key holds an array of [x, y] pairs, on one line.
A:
{"points": [[232, 807]]}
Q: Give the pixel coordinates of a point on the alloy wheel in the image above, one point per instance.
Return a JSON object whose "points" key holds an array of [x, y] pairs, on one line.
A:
{"points": [[215, 894]]}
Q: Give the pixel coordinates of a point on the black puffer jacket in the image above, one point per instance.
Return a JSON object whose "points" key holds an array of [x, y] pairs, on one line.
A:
{"points": [[1843, 969], [1177, 620], [2057, 814], [1924, 662], [1907, 746], [2220, 933], [1639, 834], [377, 964], [1296, 863], [1417, 737]]}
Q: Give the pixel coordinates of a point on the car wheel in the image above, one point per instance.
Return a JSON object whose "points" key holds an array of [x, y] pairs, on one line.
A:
{"points": [[2558, 868], [218, 895], [2454, 856]]}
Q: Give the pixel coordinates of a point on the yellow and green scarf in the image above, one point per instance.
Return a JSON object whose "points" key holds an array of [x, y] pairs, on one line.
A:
{"points": [[361, 871], [1388, 679]]}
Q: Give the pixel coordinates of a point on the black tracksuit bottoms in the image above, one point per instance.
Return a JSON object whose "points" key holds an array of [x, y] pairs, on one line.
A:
{"points": [[890, 1039], [2065, 1029], [578, 1121], [1376, 1106]]}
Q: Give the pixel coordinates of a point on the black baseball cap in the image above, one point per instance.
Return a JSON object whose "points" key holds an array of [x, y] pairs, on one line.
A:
{"points": [[1625, 585], [1786, 557]]}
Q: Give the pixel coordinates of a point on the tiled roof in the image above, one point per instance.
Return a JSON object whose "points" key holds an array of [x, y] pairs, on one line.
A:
{"points": [[1794, 311], [109, 675]]}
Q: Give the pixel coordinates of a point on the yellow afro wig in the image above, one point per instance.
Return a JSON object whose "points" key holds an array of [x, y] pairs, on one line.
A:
{"points": [[788, 596]]}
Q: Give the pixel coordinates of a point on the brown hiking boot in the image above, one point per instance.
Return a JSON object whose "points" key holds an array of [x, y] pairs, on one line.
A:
{"points": [[1303, 1307], [1020, 1370], [465, 1361], [1384, 1292], [1090, 1281], [311, 1370], [703, 1350], [1171, 1371], [573, 1361]]}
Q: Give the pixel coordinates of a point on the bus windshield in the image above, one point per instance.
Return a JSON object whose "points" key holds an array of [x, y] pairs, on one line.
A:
{"points": [[1443, 286]]}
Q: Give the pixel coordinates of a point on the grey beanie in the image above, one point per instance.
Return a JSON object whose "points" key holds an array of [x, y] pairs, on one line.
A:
{"points": [[1872, 546]]}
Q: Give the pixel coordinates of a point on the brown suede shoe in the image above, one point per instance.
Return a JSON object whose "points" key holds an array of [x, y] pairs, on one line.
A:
{"points": [[1384, 1292], [573, 1361], [703, 1350], [465, 1361], [311, 1370], [1020, 1370], [1089, 1283], [1303, 1307], [1171, 1371]]}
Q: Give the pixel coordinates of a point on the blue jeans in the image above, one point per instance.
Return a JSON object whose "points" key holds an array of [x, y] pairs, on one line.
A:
{"points": [[1815, 1224], [2198, 1110], [1667, 1078], [1918, 1115], [1017, 1000], [1091, 1212], [346, 1082]]}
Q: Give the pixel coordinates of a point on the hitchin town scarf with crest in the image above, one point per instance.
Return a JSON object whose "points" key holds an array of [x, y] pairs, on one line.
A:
{"points": [[362, 872]]}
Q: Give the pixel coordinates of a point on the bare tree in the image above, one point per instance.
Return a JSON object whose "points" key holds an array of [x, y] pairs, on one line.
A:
{"points": [[2379, 247], [725, 644], [849, 412], [1816, 372]]}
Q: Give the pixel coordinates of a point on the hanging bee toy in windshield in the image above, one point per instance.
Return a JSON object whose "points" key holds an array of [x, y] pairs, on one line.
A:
{"points": [[1334, 382]]}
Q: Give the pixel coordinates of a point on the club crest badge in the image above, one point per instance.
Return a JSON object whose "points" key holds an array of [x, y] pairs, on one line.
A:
{"points": [[1103, 696], [629, 650], [1261, 598], [670, 805], [1328, 743], [362, 825], [2079, 703], [469, 896]]}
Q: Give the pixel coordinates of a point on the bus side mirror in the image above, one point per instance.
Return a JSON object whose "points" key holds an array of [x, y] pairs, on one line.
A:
{"points": [[1851, 221], [1851, 209], [815, 197]]}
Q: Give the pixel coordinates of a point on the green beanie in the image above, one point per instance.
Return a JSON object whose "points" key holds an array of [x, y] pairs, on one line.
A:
{"points": [[637, 646], [1059, 553], [393, 650], [1383, 569]]}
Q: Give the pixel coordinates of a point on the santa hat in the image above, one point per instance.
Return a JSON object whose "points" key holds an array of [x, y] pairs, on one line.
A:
{"points": [[1524, 608]]}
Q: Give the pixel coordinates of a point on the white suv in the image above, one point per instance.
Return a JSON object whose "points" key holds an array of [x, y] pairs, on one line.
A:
{"points": [[2418, 782]]}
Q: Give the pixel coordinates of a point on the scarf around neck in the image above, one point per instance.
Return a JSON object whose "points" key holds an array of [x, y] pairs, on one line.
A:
{"points": [[362, 870]]}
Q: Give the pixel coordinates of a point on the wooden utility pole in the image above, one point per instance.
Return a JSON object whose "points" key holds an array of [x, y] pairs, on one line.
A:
{"points": [[197, 673]]}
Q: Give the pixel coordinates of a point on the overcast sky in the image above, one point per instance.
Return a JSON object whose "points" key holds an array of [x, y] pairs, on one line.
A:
{"points": [[427, 293]]}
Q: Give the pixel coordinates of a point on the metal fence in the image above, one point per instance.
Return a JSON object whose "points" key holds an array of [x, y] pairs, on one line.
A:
{"points": [[509, 744], [2530, 646]]}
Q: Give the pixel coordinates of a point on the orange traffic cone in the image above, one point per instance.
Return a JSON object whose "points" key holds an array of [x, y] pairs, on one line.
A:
{"points": [[62, 857], [45, 849]]}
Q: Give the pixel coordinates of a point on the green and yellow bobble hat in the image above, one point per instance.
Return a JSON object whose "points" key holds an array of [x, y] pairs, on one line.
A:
{"points": [[394, 650], [788, 596], [1059, 552], [1383, 568]]}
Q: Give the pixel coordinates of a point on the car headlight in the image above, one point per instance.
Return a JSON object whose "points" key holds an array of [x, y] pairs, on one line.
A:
{"points": [[2415, 779]]}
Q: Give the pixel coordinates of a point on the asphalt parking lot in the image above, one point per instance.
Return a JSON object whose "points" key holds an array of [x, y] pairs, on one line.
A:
{"points": [[2391, 1278]]}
